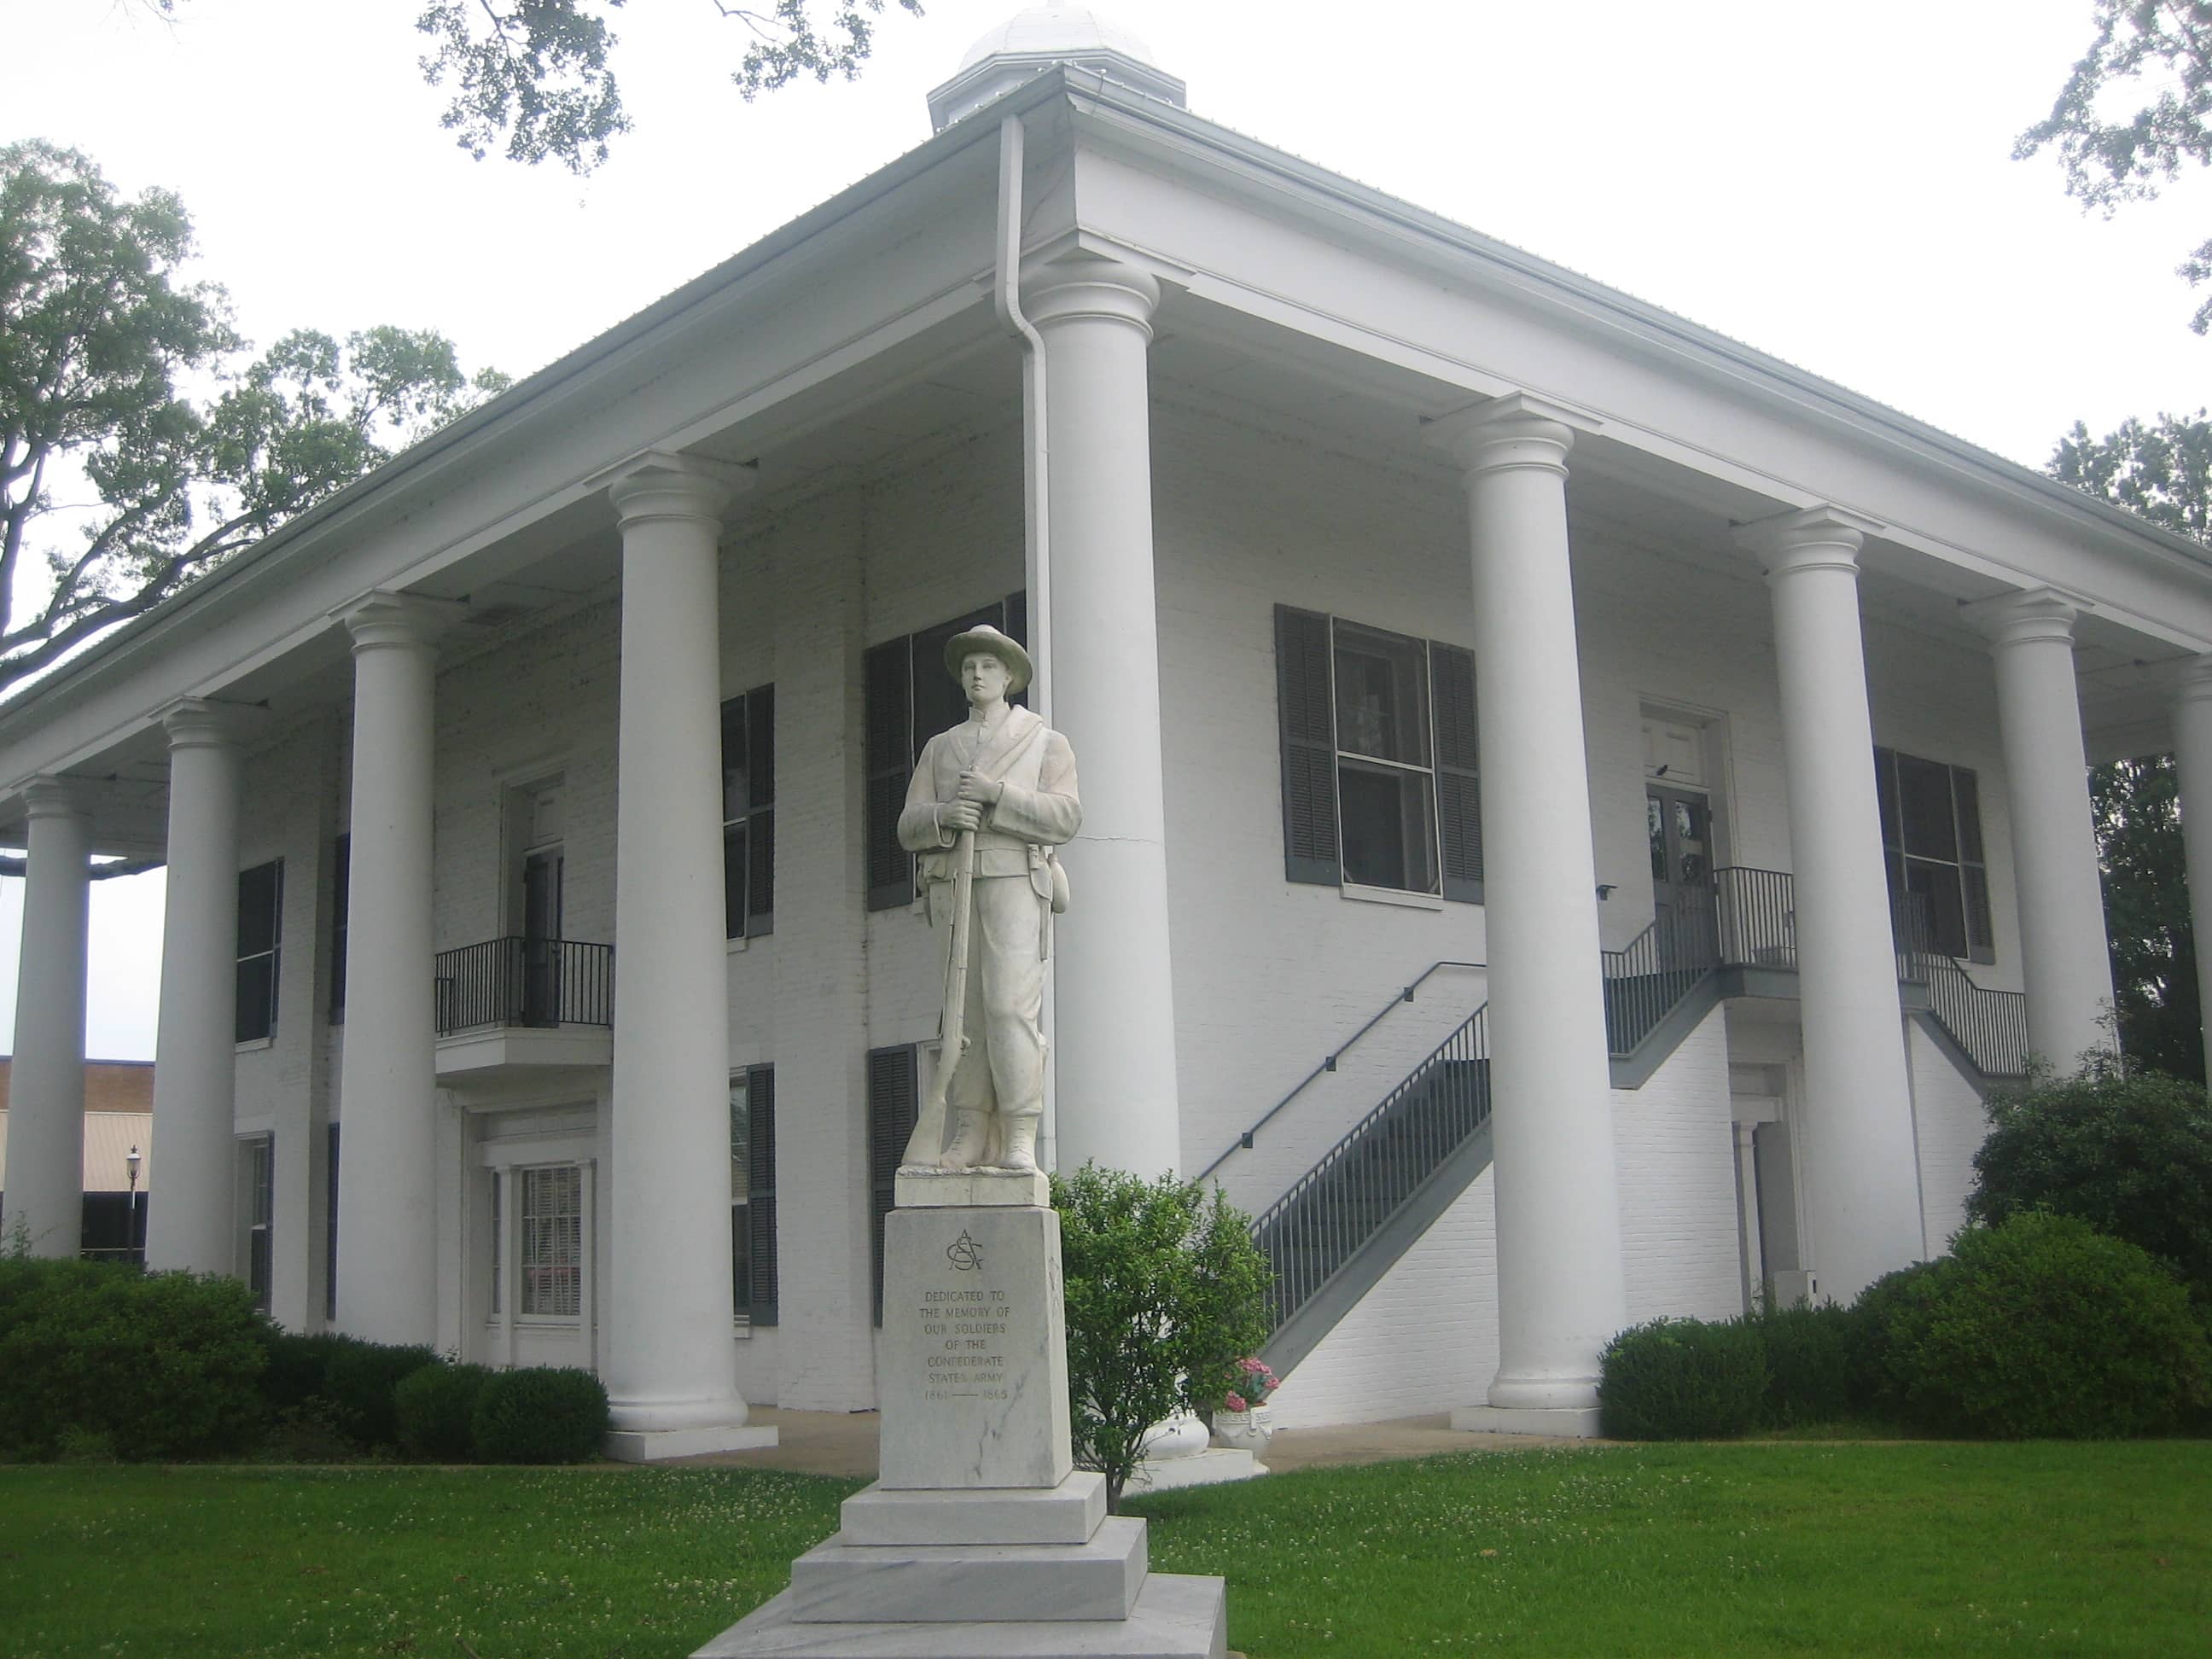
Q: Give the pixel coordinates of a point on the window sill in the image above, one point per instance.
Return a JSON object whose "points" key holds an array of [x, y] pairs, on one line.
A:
{"points": [[255, 1045], [1392, 896], [731, 946]]}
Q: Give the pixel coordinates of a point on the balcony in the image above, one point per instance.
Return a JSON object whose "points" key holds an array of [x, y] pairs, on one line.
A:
{"points": [[537, 1004]]}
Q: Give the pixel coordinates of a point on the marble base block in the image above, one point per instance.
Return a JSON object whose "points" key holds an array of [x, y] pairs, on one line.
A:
{"points": [[1065, 1514], [972, 1583], [1177, 1616], [974, 1368], [1579, 1422], [652, 1445], [1210, 1468], [971, 1189]]}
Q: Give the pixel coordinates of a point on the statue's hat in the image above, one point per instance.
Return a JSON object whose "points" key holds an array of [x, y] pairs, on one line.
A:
{"points": [[984, 637]]}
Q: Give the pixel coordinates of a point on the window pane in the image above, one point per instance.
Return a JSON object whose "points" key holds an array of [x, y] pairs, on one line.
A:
{"points": [[258, 892], [1382, 695], [1924, 793], [734, 879], [1970, 814], [1981, 940], [1885, 790], [737, 791], [257, 995], [1937, 885], [552, 1241], [1389, 828]]}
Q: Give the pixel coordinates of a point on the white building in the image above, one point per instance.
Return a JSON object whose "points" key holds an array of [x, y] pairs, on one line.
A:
{"points": [[1325, 518]]}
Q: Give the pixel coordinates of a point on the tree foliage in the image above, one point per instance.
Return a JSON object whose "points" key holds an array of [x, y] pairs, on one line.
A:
{"points": [[535, 78], [1165, 1292], [136, 451], [2159, 51]]}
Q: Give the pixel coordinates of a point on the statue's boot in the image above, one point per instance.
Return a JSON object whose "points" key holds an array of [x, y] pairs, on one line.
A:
{"points": [[1020, 1150], [971, 1141]]}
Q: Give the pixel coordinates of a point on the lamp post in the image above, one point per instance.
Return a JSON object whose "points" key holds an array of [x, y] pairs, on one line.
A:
{"points": [[130, 1235]]}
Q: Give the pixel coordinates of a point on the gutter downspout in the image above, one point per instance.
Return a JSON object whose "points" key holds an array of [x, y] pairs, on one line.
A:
{"points": [[1037, 519]]}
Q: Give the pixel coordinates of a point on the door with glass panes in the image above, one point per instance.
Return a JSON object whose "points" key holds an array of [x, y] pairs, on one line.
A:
{"points": [[1679, 825]]}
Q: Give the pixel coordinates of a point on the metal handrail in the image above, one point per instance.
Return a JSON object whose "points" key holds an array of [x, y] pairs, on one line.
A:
{"points": [[1989, 1025], [1329, 1212], [525, 981], [1243, 1142]]}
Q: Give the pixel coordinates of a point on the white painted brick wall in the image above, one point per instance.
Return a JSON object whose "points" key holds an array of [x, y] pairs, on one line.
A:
{"points": [[1674, 1150], [1949, 1122]]}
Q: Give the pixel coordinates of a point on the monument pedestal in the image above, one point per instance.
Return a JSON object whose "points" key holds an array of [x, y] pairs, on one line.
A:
{"points": [[980, 1538]]}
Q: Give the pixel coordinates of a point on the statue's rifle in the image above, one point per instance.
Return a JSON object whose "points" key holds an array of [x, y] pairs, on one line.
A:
{"points": [[926, 1143]]}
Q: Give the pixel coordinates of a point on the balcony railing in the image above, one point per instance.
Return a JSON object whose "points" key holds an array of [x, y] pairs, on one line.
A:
{"points": [[526, 982]]}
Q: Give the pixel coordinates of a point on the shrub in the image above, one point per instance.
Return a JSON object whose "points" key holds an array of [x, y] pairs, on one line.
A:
{"points": [[1162, 1262], [1682, 1379], [540, 1415], [436, 1410], [1808, 1351], [1880, 1307], [360, 1380], [2129, 1155], [158, 1366], [299, 1367], [2042, 1326]]}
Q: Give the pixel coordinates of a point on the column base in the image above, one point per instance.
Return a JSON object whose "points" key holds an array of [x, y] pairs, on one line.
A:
{"points": [[1571, 1422], [653, 1445], [1207, 1468]]}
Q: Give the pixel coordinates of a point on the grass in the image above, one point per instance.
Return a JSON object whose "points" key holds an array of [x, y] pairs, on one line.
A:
{"points": [[1766, 1548]]}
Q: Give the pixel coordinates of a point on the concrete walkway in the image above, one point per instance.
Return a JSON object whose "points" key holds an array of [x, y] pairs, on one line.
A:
{"points": [[844, 1443]]}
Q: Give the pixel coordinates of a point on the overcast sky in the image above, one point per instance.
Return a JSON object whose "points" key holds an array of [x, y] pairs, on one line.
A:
{"points": [[1829, 183]]}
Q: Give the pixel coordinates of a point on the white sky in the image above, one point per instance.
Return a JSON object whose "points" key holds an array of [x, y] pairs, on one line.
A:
{"points": [[1829, 183]]}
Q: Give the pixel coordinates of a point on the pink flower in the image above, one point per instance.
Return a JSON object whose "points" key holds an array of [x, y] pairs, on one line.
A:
{"points": [[1252, 1365], [1234, 1403]]}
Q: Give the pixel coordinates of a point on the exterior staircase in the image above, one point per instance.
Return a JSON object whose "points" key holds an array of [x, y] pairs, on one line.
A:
{"points": [[1341, 1225]]}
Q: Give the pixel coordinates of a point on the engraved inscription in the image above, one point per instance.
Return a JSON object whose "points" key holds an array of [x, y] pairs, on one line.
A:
{"points": [[965, 1334]]}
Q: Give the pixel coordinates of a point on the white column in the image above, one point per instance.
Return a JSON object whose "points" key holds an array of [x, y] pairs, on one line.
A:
{"points": [[387, 1071], [1114, 1006], [2064, 957], [2192, 759], [671, 1369], [45, 1126], [194, 1227], [1747, 1214], [1855, 1137], [1561, 1294]]}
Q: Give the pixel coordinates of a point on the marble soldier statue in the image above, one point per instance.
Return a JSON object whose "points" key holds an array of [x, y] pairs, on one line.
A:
{"points": [[1002, 784]]}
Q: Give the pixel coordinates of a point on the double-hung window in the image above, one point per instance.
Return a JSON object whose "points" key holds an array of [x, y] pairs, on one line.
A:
{"points": [[552, 1217], [752, 1194], [748, 814], [260, 934], [1380, 783], [260, 1215], [1931, 837]]}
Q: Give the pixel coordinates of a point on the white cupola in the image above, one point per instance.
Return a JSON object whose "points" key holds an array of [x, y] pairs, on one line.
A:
{"points": [[1032, 41]]}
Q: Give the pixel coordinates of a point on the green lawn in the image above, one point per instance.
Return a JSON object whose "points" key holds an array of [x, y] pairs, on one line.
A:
{"points": [[1921, 1548]]}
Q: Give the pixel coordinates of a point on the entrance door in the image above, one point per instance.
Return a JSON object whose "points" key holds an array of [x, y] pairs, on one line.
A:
{"points": [[541, 937], [1679, 823]]}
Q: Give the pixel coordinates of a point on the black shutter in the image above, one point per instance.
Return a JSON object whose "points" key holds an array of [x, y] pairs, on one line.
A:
{"points": [[888, 718], [1308, 730], [760, 1189], [1459, 784], [760, 890], [330, 1230], [1018, 630], [341, 899], [893, 1104]]}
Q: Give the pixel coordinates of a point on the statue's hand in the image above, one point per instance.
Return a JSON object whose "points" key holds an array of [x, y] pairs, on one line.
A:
{"points": [[960, 815], [985, 791]]}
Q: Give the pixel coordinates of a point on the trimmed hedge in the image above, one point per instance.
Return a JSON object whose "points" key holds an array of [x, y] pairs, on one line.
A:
{"points": [[1682, 1379], [339, 1382], [156, 1365], [540, 1415], [435, 1406], [1807, 1353], [2042, 1326]]}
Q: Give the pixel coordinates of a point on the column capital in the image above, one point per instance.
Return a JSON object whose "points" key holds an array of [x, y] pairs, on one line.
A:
{"points": [[2037, 613], [660, 483], [1819, 538], [49, 796], [2193, 680], [1517, 429], [203, 723], [1090, 286], [380, 619]]}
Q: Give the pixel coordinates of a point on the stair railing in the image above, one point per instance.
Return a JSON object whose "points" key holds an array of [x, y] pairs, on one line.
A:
{"points": [[1314, 1228], [1990, 1025], [1244, 1143]]}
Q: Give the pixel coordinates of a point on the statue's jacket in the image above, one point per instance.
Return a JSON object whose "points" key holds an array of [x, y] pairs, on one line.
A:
{"points": [[1039, 810]]}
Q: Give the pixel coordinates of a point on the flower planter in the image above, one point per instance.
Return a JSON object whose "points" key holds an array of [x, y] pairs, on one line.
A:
{"points": [[1247, 1431]]}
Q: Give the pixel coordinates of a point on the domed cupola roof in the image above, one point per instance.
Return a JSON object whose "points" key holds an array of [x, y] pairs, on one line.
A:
{"points": [[1032, 41]]}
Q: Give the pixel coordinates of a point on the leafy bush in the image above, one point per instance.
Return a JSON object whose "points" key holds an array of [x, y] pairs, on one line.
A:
{"points": [[157, 1365], [1881, 1306], [1165, 1293], [2041, 1327], [436, 1409], [2129, 1155], [360, 1380], [540, 1415], [299, 1367], [1807, 1352], [1682, 1379]]}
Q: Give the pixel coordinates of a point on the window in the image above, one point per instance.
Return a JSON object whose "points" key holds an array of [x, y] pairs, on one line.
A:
{"points": [[752, 1194], [260, 1212], [341, 878], [260, 930], [894, 1102], [499, 1180], [910, 699], [748, 814], [1381, 785], [1931, 838], [552, 1241]]}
